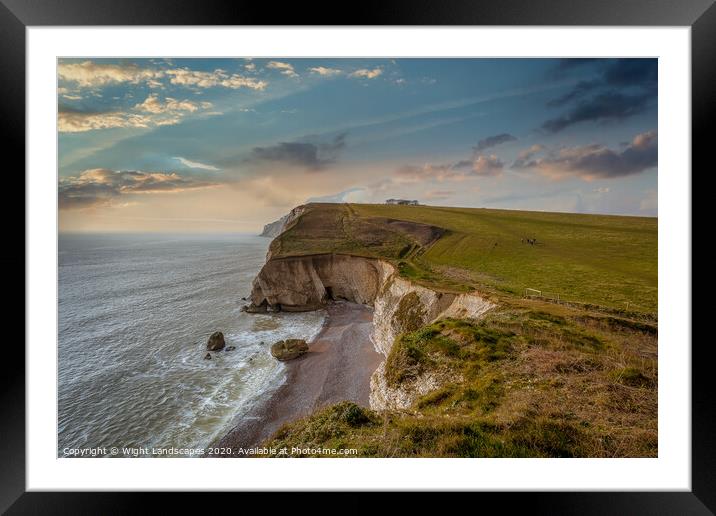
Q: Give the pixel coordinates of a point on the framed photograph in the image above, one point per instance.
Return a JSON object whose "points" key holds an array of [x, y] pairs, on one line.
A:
{"points": [[439, 249]]}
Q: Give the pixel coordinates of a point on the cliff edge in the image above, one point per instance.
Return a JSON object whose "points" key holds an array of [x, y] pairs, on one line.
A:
{"points": [[304, 283], [473, 367]]}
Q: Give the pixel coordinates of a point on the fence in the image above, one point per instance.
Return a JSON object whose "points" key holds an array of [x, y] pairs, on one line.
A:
{"points": [[533, 293]]}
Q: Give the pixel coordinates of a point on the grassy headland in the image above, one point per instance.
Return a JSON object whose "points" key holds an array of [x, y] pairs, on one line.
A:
{"points": [[533, 378], [596, 259]]}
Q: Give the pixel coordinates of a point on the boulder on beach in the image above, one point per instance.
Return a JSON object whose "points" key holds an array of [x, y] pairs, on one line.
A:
{"points": [[289, 349], [216, 341], [207, 356], [230, 348], [253, 309]]}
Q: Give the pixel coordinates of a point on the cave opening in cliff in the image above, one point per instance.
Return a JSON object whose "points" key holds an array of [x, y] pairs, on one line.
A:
{"points": [[329, 294]]}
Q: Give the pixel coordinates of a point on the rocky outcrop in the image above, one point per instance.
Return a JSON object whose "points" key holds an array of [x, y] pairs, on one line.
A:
{"points": [[273, 229], [383, 396], [216, 341], [302, 283], [277, 227], [289, 349], [404, 306]]}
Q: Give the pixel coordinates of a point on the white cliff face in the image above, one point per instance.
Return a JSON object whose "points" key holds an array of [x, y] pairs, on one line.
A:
{"points": [[303, 283], [275, 228], [388, 325]]}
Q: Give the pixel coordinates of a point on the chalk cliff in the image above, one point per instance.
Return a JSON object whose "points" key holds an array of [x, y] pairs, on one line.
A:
{"points": [[275, 228], [303, 283]]}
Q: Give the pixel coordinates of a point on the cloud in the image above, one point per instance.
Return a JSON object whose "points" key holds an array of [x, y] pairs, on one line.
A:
{"points": [[152, 104], [91, 75], [526, 156], [103, 187], [632, 72], [438, 195], [217, 78], [591, 162], [284, 68], [487, 165], [365, 73], [69, 94], [623, 88], [575, 62], [325, 72], [600, 108], [465, 163], [492, 141], [77, 121], [152, 112], [273, 192], [480, 165], [429, 171], [250, 67], [312, 156], [580, 90], [344, 196], [195, 164]]}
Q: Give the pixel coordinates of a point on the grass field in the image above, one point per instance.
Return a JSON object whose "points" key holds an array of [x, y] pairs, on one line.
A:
{"points": [[532, 378], [519, 383], [597, 259]]}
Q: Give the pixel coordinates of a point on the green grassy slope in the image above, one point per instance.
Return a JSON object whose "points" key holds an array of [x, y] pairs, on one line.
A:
{"points": [[596, 259], [520, 383], [532, 378]]}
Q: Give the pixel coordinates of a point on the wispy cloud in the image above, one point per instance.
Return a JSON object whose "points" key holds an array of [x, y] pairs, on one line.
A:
{"points": [[309, 155], [284, 68], [487, 165], [431, 172], [90, 74], [195, 164], [153, 104], [79, 121], [601, 108], [152, 112], [623, 88], [492, 141], [365, 73], [324, 71], [101, 187], [438, 195], [593, 161], [479, 166], [217, 78]]}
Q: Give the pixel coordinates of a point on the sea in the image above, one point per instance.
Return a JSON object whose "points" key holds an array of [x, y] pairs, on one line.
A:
{"points": [[135, 312]]}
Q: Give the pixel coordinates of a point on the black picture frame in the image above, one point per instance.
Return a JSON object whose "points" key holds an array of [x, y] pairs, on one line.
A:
{"points": [[17, 15]]}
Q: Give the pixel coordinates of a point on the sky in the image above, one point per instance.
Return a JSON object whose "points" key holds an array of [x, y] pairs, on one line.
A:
{"points": [[228, 145]]}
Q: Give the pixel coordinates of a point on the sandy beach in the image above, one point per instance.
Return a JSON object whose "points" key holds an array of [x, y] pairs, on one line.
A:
{"points": [[338, 367]]}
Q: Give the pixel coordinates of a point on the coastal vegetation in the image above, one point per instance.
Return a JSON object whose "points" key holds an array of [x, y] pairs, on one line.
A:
{"points": [[537, 376], [603, 260]]}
